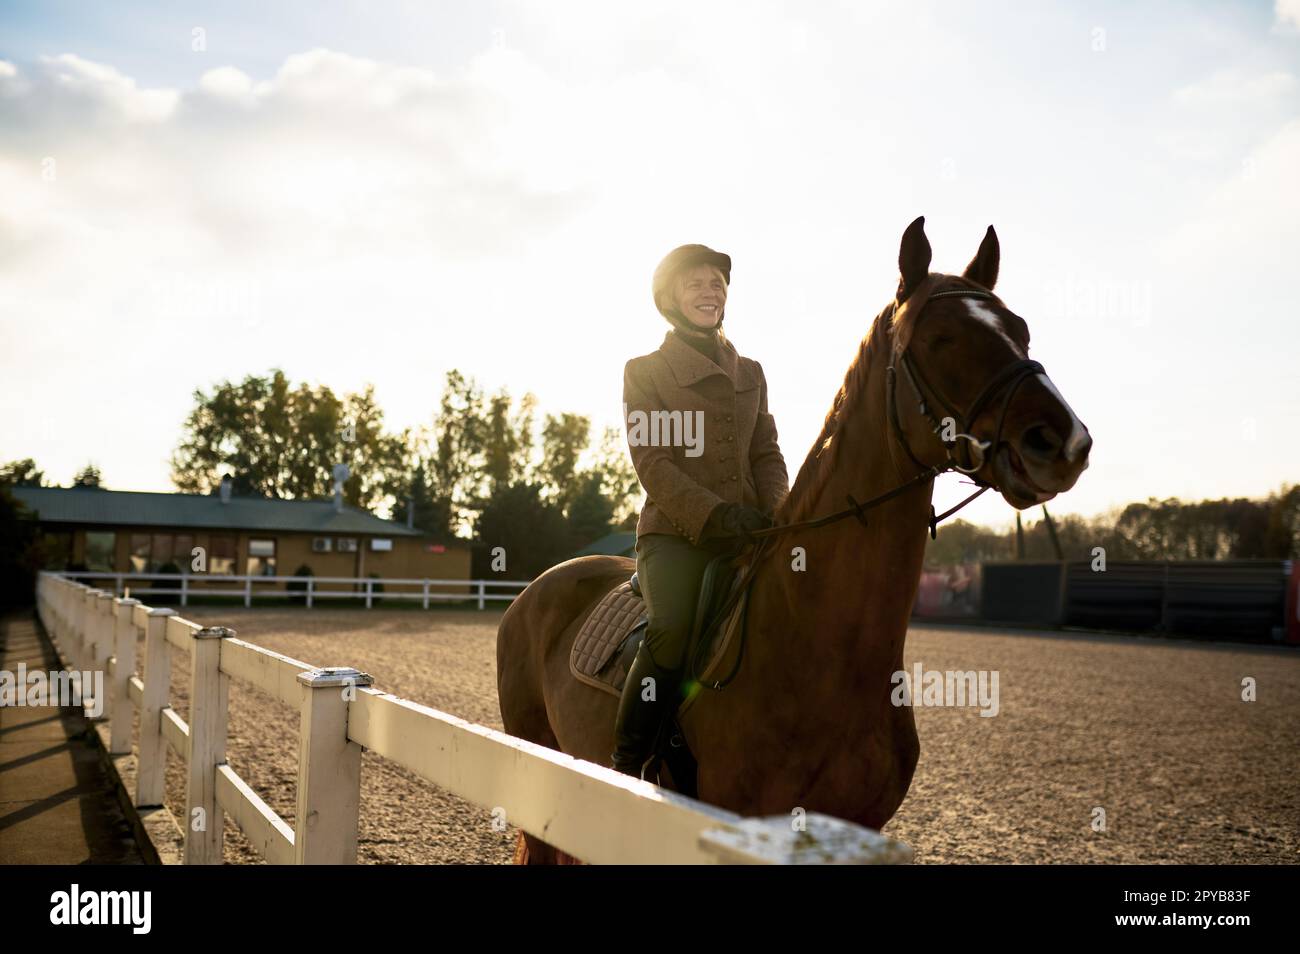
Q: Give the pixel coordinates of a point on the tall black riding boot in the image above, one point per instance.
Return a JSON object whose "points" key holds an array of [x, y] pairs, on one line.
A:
{"points": [[639, 718]]}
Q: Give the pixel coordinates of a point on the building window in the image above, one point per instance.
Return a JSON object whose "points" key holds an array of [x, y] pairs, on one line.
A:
{"points": [[56, 550], [99, 551], [161, 552], [140, 550], [321, 544], [221, 555], [381, 544], [261, 558], [347, 544]]}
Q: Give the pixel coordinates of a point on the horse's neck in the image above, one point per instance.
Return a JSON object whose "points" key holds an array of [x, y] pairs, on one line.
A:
{"points": [[860, 581]]}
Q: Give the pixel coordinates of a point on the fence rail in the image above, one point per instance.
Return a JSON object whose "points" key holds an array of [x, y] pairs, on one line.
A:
{"points": [[585, 810], [306, 587]]}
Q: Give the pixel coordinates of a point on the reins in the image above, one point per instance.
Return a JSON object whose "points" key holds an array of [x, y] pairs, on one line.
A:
{"points": [[1009, 378]]}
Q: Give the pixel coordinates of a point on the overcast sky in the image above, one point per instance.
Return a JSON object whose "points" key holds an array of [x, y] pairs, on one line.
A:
{"points": [[379, 192]]}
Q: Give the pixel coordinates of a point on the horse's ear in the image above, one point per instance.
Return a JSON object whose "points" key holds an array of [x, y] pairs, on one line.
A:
{"points": [[913, 258], [983, 268]]}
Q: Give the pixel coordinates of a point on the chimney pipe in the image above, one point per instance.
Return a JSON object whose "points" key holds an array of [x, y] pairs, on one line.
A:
{"points": [[341, 473], [410, 513], [226, 486]]}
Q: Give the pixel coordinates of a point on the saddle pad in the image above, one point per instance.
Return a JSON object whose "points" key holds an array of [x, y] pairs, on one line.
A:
{"points": [[601, 635]]}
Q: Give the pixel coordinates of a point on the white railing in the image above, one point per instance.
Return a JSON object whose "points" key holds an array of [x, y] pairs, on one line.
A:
{"points": [[186, 585], [585, 810]]}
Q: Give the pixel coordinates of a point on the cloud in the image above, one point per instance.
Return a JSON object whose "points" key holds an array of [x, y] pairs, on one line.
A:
{"points": [[1233, 88], [1286, 13], [332, 152]]}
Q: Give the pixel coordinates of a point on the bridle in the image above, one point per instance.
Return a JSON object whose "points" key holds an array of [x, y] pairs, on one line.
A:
{"points": [[1007, 381]]}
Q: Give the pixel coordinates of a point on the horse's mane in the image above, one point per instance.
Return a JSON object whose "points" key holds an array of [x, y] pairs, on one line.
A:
{"points": [[891, 329]]}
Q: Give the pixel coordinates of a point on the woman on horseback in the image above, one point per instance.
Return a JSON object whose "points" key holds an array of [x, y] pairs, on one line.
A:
{"points": [[705, 449]]}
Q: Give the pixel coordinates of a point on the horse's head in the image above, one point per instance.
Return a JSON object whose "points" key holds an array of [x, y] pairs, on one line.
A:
{"points": [[961, 366]]}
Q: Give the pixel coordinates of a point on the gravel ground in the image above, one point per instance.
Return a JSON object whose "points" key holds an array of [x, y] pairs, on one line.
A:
{"points": [[1152, 731]]}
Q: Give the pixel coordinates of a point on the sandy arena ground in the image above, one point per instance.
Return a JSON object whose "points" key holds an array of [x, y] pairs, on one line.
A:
{"points": [[1152, 731]]}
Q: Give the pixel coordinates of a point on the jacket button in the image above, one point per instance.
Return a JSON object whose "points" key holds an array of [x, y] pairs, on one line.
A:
{"points": [[734, 477]]}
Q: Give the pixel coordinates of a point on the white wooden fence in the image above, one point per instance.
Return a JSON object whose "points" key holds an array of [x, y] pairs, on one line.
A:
{"points": [[586, 810], [186, 585]]}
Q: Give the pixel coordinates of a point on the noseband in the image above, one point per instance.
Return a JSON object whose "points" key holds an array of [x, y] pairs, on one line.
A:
{"points": [[1009, 378]]}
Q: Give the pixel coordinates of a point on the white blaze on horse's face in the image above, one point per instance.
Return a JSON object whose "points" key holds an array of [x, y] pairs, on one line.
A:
{"points": [[986, 316], [1078, 436]]}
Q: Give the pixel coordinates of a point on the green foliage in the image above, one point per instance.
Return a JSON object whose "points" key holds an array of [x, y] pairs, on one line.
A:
{"points": [[21, 473], [280, 441], [591, 512], [88, 476], [1155, 530], [20, 555], [532, 529]]}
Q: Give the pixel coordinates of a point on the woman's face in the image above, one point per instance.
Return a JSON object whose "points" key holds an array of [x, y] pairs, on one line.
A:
{"points": [[701, 295]]}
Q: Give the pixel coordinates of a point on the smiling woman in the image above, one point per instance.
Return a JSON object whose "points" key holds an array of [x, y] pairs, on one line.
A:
{"points": [[702, 499]]}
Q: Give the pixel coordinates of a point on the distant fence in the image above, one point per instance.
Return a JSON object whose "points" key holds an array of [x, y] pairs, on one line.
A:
{"points": [[306, 589], [588, 811], [1225, 599]]}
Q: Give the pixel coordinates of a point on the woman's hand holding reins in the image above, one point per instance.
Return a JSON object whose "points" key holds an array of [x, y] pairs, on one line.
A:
{"points": [[736, 520]]}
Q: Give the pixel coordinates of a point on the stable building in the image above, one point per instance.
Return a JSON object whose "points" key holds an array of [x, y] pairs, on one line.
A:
{"points": [[113, 531]]}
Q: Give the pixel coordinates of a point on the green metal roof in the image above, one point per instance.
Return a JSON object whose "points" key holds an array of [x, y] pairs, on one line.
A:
{"points": [[612, 544], [122, 508]]}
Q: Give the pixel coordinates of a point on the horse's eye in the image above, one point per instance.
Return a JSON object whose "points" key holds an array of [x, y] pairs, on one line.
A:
{"points": [[942, 341]]}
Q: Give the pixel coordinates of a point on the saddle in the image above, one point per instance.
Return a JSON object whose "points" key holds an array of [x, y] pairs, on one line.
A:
{"points": [[609, 638]]}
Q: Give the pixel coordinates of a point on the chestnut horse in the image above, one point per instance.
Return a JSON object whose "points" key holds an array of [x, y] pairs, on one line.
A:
{"points": [[807, 721]]}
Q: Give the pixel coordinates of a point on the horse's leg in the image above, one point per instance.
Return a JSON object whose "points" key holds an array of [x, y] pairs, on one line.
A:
{"points": [[540, 700]]}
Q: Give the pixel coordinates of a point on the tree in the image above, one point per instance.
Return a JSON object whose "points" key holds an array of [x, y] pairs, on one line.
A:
{"points": [[459, 437], [1282, 530], [88, 476], [590, 511], [507, 441], [20, 555], [619, 481], [564, 438], [531, 530], [22, 473], [279, 441]]}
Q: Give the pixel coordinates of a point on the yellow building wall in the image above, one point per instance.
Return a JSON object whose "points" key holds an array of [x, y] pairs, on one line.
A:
{"points": [[411, 558]]}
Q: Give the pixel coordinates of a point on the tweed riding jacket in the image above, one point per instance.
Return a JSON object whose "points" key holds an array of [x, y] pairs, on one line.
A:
{"points": [[700, 435]]}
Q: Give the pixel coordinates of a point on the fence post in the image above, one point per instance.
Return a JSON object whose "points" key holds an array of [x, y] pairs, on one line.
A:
{"points": [[309, 592], [185, 590], [157, 683], [369, 593], [209, 696], [329, 769], [426, 594], [83, 642], [123, 669], [101, 634], [482, 589], [248, 591]]}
